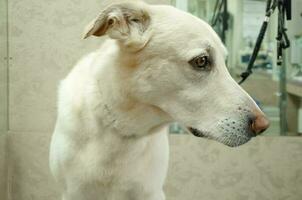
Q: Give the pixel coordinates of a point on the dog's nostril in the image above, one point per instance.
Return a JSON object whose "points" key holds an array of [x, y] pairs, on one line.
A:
{"points": [[259, 124]]}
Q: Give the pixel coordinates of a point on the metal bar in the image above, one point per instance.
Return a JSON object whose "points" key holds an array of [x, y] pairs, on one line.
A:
{"points": [[282, 97], [281, 57]]}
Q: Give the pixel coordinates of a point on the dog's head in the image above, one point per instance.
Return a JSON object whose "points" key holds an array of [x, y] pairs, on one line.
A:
{"points": [[176, 63]]}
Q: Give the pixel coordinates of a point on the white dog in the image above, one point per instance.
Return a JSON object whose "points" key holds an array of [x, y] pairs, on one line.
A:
{"points": [[158, 65]]}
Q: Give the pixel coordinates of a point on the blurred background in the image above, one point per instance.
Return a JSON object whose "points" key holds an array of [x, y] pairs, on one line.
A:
{"points": [[40, 41]]}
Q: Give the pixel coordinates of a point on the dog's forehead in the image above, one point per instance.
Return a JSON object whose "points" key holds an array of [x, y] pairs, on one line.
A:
{"points": [[173, 18], [181, 29]]}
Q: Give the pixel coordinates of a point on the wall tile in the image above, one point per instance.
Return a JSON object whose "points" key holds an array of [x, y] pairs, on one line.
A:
{"points": [[45, 43], [29, 173], [3, 167], [265, 168], [3, 66]]}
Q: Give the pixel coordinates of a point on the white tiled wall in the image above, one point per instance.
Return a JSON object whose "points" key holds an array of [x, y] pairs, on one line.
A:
{"points": [[3, 166], [3, 66]]}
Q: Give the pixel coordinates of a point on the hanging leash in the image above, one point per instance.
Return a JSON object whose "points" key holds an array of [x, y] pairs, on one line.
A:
{"points": [[220, 17], [270, 8], [282, 38]]}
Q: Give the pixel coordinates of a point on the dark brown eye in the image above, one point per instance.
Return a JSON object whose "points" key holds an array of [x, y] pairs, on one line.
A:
{"points": [[201, 63], [135, 20]]}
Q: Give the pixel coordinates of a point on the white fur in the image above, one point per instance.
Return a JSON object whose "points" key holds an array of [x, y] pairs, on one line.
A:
{"points": [[106, 144]]}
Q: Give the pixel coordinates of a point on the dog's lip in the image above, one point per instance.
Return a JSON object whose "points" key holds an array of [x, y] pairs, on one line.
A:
{"points": [[196, 132]]}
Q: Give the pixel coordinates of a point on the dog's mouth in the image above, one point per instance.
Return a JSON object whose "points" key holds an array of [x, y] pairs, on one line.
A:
{"points": [[196, 132], [230, 139]]}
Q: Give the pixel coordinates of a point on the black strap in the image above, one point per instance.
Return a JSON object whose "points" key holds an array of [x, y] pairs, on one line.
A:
{"points": [[217, 10], [270, 8], [220, 18], [282, 38]]}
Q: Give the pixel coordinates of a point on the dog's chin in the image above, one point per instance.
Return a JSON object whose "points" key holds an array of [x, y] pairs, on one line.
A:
{"points": [[232, 140], [228, 139]]}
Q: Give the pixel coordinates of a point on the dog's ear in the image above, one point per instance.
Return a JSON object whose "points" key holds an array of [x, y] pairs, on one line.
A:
{"points": [[126, 22]]}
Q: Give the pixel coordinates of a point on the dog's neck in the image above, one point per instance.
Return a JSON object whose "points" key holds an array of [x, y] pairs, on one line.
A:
{"points": [[120, 112]]}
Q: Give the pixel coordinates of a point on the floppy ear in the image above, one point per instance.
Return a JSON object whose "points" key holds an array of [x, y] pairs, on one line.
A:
{"points": [[126, 22]]}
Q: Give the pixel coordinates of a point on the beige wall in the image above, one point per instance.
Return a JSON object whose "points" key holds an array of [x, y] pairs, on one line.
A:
{"points": [[45, 43], [3, 67], [3, 99]]}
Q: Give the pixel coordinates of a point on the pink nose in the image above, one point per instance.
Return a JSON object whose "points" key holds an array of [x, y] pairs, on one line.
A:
{"points": [[260, 124]]}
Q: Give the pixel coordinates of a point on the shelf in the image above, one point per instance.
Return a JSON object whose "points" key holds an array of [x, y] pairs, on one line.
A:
{"points": [[294, 88]]}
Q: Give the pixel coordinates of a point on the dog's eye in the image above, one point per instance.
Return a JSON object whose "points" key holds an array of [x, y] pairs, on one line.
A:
{"points": [[135, 20], [201, 63]]}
